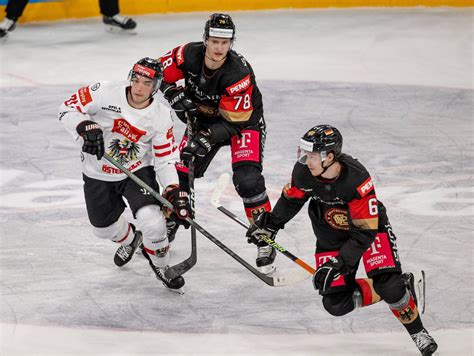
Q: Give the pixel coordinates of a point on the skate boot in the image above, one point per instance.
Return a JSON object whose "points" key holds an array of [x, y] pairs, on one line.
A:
{"points": [[174, 285], [171, 229], [118, 23], [424, 342], [7, 25], [265, 258], [125, 253]]}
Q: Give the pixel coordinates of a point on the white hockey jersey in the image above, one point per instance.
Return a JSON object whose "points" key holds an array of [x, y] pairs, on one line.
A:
{"points": [[136, 138]]}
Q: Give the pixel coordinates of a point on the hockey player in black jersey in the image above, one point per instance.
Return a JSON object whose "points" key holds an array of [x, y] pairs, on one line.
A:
{"points": [[221, 98], [350, 225]]}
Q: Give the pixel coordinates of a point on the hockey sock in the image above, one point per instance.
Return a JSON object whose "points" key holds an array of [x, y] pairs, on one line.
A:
{"points": [[256, 205], [366, 294], [406, 312]]}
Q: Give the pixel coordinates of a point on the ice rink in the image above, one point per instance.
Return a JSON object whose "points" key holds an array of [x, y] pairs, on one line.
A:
{"points": [[398, 83]]}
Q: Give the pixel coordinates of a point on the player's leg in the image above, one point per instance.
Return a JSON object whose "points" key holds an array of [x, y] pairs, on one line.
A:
{"points": [[383, 267], [346, 292], [112, 19], [105, 207], [14, 10], [152, 224], [247, 155]]}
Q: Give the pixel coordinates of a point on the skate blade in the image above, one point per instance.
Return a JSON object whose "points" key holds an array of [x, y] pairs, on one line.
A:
{"points": [[118, 30], [179, 291], [268, 269], [420, 289]]}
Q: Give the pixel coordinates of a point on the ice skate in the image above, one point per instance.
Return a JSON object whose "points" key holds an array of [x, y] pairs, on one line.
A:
{"points": [[174, 285], [424, 342], [6, 27], [265, 258], [120, 24], [125, 253]]}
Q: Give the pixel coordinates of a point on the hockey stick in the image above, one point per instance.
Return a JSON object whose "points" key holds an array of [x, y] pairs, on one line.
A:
{"points": [[182, 267], [276, 281], [193, 257], [215, 200]]}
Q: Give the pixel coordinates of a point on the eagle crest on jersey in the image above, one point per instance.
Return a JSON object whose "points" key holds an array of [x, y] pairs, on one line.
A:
{"points": [[124, 151]]}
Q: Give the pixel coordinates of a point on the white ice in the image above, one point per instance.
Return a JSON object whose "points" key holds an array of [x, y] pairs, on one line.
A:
{"points": [[397, 82]]}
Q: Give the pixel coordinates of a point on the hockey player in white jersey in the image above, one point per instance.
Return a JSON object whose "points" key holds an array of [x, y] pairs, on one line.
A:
{"points": [[124, 121]]}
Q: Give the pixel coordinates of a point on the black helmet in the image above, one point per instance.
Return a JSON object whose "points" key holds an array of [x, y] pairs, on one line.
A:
{"points": [[321, 138], [219, 25], [150, 68]]}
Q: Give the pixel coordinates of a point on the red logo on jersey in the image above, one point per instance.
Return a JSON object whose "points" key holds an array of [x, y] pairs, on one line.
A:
{"points": [[85, 96], [240, 86], [365, 187], [125, 129]]}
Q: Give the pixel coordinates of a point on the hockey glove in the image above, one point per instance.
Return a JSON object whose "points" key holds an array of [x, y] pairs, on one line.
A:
{"points": [[262, 228], [181, 104], [180, 200], [93, 138], [200, 146], [328, 272]]}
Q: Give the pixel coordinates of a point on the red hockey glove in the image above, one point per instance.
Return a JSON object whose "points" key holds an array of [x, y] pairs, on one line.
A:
{"points": [[180, 200]]}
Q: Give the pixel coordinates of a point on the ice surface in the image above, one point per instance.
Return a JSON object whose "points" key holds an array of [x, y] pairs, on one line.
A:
{"points": [[396, 82]]}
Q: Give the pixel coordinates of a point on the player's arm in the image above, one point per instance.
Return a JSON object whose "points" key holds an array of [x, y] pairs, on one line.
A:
{"points": [[289, 204], [165, 157], [173, 63], [76, 114], [80, 106], [363, 223], [165, 151]]}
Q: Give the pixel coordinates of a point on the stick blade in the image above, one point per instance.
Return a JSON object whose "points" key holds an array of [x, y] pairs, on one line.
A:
{"points": [[221, 185]]}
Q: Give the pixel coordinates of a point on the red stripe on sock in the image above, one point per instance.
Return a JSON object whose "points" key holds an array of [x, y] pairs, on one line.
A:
{"points": [[150, 252], [126, 235]]}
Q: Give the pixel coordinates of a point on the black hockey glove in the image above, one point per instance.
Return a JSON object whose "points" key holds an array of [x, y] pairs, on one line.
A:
{"points": [[199, 146], [93, 138], [328, 272], [180, 200], [262, 227], [181, 104]]}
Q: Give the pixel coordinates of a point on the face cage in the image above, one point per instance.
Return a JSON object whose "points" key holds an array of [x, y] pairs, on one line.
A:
{"points": [[303, 155], [156, 81]]}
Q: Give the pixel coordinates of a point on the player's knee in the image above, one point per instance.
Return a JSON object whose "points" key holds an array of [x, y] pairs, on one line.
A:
{"points": [[114, 231], [248, 181], [338, 304], [152, 224], [389, 286]]}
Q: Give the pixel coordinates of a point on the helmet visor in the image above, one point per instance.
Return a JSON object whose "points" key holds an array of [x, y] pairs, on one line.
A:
{"points": [[304, 156]]}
